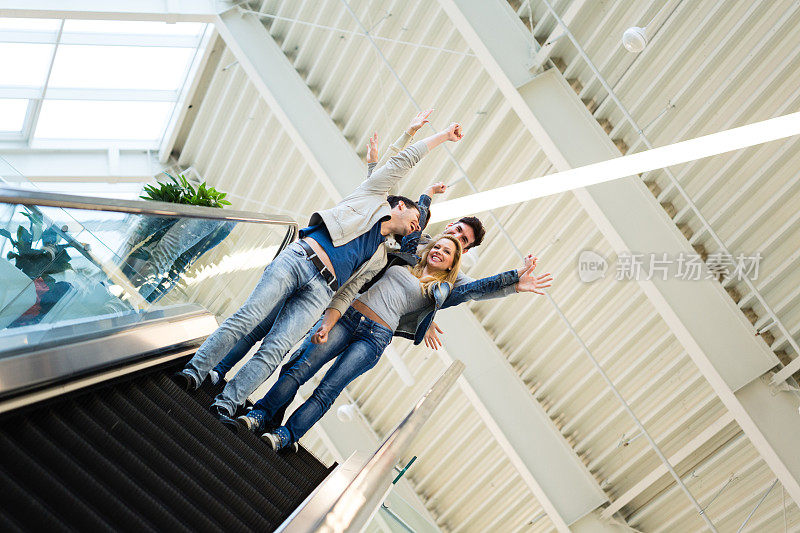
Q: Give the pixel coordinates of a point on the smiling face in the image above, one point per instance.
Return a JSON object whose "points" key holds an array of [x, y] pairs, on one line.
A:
{"points": [[442, 255], [405, 219], [464, 233]]}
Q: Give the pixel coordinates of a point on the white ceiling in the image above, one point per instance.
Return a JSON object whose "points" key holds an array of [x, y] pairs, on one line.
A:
{"points": [[709, 66]]}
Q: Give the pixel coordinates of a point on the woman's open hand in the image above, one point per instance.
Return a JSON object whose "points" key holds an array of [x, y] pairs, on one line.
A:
{"points": [[432, 340], [528, 282]]}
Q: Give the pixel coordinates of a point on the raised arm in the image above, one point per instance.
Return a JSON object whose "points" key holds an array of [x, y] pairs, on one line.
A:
{"points": [[372, 153], [503, 284], [398, 166], [416, 123], [452, 133]]}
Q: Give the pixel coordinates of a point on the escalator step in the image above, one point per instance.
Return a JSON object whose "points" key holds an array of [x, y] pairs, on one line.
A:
{"points": [[143, 455], [21, 506], [152, 456], [302, 462], [194, 459], [62, 502], [259, 464], [98, 465], [151, 480], [56, 457]]}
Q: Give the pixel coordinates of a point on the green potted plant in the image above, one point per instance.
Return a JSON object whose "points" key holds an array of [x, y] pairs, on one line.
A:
{"points": [[36, 251], [163, 248], [39, 253], [180, 191]]}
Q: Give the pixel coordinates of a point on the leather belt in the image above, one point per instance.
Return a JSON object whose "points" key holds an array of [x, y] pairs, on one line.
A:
{"points": [[327, 275]]}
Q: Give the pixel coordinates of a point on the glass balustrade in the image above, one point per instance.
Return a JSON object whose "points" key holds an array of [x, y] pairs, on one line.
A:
{"points": [[68, 259]]}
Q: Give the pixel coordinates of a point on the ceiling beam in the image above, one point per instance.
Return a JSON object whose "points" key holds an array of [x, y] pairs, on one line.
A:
{"points": [[565, 488], [102, 166], [311, 129], [657, 473], [145, 10], [700, 314]]}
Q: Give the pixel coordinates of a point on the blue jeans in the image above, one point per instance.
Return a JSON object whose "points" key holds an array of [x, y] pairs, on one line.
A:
{"points": [[355, 341], [241, 348], [291, 280]]}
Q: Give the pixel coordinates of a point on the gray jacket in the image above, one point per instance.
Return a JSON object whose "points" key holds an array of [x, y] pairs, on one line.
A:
{"points": [[359, 211]]}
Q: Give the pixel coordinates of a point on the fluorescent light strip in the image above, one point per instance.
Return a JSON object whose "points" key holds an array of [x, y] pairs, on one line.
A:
{"points": [[620, 167]]}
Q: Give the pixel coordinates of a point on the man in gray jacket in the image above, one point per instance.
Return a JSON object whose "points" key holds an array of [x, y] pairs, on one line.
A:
{"points": [[343, 243]]}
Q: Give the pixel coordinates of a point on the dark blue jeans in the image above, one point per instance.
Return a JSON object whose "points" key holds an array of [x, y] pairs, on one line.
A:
{"points": [[356, 343]]}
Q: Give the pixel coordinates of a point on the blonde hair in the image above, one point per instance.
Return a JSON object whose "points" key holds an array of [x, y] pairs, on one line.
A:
{"points": [[448, 276]]}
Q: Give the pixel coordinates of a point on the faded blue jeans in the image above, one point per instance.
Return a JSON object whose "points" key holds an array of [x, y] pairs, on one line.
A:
{"points": [[248, 341], [355, 341], [291, 280]]}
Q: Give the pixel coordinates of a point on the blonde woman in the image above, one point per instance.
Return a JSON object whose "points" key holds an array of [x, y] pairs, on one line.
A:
{"points": [[358, 338]]}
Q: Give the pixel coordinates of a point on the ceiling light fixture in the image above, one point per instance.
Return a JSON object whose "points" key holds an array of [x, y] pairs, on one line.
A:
{"points": [[635, 39], [620, 167]]}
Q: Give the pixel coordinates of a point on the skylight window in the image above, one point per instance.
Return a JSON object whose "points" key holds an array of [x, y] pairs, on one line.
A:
{"points": [[89, 82], [26, 24], [12, 115], [129, 27], [102, 120], [120, 67], [24, 65]]}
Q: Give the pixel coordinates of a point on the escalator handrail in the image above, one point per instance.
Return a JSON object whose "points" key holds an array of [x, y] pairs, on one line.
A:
{"points": [[347, 506], [141, 207]]}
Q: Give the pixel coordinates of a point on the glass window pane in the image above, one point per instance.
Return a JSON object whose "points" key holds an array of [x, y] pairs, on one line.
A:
{"points": [[29, 24], [24, 65], [12, 114], [73, 119], [120, 67], [133, 27]]}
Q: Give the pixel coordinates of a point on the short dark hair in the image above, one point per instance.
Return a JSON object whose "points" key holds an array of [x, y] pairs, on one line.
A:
{"points": [[394, 200], [477, 228]]}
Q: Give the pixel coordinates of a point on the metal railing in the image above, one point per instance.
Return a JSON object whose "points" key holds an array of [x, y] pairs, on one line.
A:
{"points": [[33, 198], [360, 494]]}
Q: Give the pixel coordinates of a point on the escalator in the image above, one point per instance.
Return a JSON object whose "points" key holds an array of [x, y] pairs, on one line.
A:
{"points": [[141, 454], [101, 300]]}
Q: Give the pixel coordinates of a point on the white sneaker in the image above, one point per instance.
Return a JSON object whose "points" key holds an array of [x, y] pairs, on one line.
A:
{"points": [[214, 377], [273, 440]]}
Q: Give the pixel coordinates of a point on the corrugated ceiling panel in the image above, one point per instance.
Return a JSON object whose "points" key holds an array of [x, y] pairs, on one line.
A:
{"points": [[748, 197]]}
